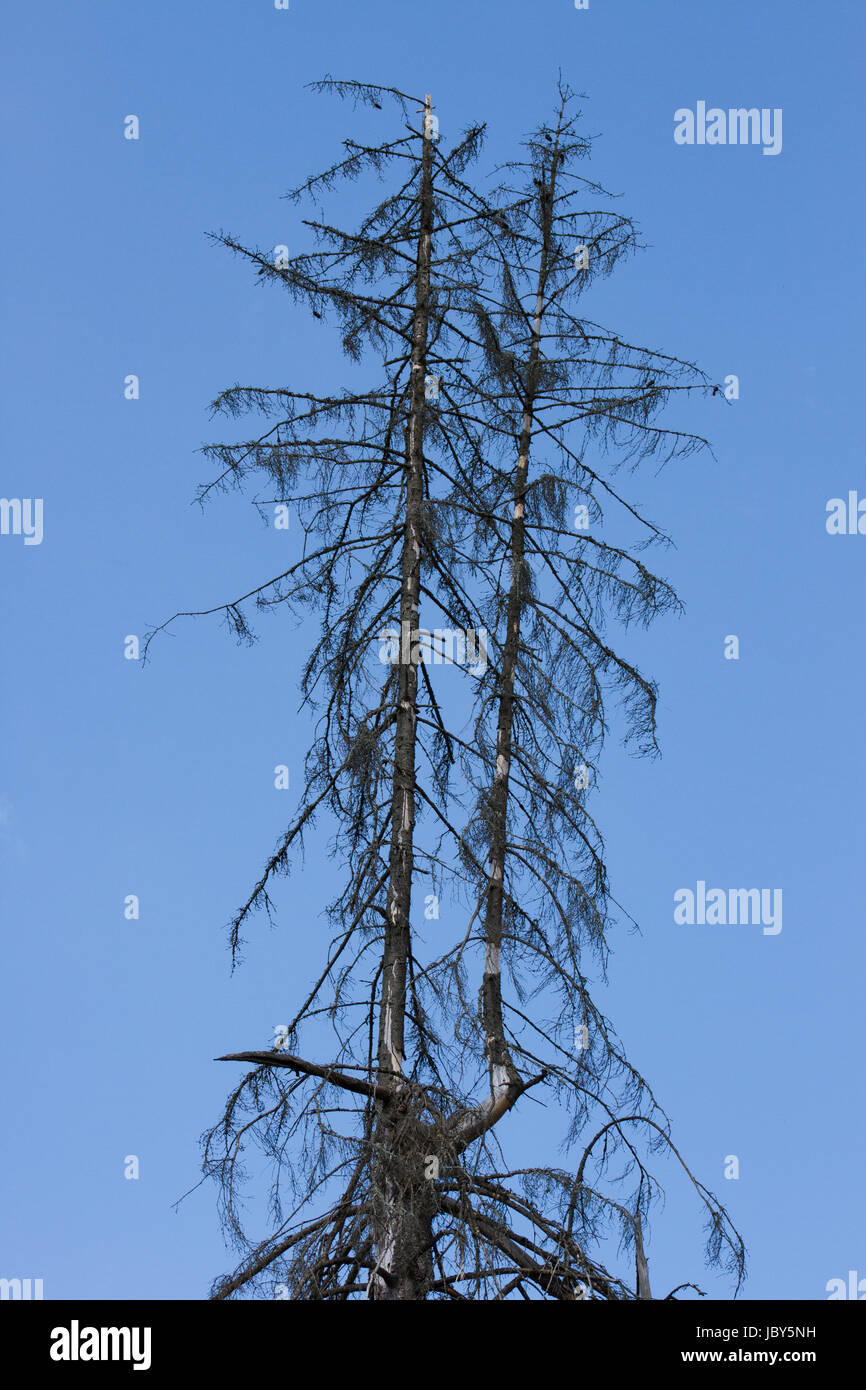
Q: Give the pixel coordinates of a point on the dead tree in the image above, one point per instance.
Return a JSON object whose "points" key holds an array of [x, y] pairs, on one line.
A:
{"points": [[415, 496], [557, 390]]}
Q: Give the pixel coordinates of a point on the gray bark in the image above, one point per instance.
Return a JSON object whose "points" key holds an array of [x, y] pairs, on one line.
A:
{"points": [[504, 1078], [402, 1195]]}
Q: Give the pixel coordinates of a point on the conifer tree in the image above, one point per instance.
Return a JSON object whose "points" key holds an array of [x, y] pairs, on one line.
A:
{"points": [[441, 490]]}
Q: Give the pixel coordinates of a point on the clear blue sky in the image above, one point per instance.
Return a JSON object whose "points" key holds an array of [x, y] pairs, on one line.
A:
{"points": [[159, 782]]}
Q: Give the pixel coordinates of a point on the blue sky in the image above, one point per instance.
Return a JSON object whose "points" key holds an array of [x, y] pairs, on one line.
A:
{"points": [[159, 782]]}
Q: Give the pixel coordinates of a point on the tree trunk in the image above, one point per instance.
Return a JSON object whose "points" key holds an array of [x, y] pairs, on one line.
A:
{"points": [[505, 1080], [401, 1193]]}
